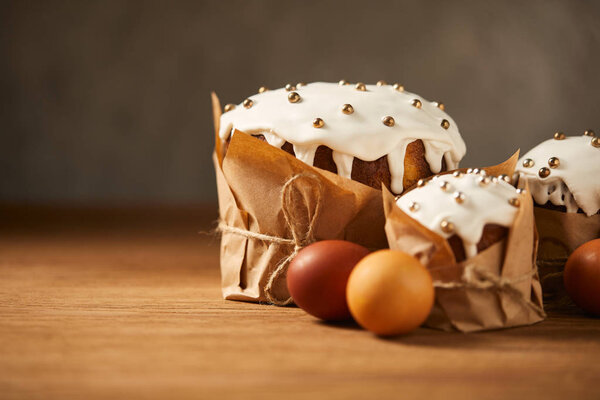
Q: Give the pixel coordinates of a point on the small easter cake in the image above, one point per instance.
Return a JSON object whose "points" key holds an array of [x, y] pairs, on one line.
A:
{"points": [[563, 173], [470, 210]]}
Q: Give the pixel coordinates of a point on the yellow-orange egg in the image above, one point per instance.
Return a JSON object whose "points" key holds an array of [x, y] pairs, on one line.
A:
{"points": [[390, 292]]}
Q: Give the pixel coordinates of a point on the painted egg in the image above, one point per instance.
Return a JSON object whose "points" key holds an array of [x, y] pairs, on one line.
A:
{"points": [[390, 292], [582, 276], [317, 277]]}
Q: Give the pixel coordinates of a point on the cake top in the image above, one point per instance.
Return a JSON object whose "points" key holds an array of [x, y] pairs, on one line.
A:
{"points": [[358, 120], [462, 204], [565, 171]]}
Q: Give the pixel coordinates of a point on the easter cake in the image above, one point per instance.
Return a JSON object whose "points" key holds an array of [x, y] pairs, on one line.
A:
{"points": [[372, 134], [471, 210]]}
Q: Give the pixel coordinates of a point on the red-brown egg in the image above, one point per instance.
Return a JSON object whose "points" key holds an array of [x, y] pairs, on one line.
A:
{"points": [[317, 277], [390, 293], [582, 276]]}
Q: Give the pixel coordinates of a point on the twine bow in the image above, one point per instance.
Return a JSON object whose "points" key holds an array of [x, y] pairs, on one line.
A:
{"points": [[302, 232]]}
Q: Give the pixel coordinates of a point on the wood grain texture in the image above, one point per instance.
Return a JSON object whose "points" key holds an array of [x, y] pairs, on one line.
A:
{"points": [[102, 304]]}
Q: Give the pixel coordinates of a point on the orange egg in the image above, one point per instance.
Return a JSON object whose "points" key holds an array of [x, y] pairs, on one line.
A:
{"points": [[390, 292], [582, 276]]}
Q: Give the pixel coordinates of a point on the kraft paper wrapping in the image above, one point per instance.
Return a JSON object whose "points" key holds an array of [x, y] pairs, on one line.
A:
{"points": [[272, 204], [560, 234], [498, 288]]}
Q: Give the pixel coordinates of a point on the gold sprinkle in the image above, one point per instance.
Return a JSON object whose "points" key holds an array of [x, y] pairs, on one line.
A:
{"points": [[398, 87], [293, 97], [289, 87], [445, 124], [589, 132], [318, 123], [514, 202], [439, 105], [421, 183], [343, 82], [262, 89], [300, 84], [447, 226], [505, 178], [347, 109], [483, 181], [414, 206], [457, 174], [459, 197], [444, 186], [388, 121], [553, 162], [416, 103], [396, 198], [361, 87], [559, 136], [381, 83], [248, 103], [528, 163], [595, 142], [229, 107], [521, 191], [544, 172]]}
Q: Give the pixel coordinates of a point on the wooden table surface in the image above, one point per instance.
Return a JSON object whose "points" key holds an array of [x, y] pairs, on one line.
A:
{"points": [[101, 303]]}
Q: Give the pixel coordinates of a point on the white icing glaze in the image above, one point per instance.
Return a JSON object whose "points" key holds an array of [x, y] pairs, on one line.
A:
{"points": [[360, 134], [483, 204], [575, 183]]}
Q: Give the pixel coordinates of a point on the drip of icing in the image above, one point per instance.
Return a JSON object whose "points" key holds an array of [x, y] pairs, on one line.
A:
{"points": [[343, 163], [482, 205], [396, 165], [434, 152], [360, 134], [575, 183], [305, 153], [273, 139]]}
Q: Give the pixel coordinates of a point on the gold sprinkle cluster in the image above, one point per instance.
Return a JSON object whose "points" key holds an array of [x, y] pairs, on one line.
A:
{"points": [[447, 226], [398, 87]]}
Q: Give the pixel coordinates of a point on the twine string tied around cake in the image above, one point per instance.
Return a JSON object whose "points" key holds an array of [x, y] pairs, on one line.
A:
{"points": [[474, 277], [302, 231]]}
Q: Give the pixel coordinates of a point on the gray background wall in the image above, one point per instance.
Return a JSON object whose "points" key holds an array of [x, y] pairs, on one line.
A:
{"points": [[108, 101]]}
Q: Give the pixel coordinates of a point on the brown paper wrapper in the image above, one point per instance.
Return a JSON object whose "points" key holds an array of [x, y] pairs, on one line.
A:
{"points": [[498, 288], [272, 204], [560, 234]]}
